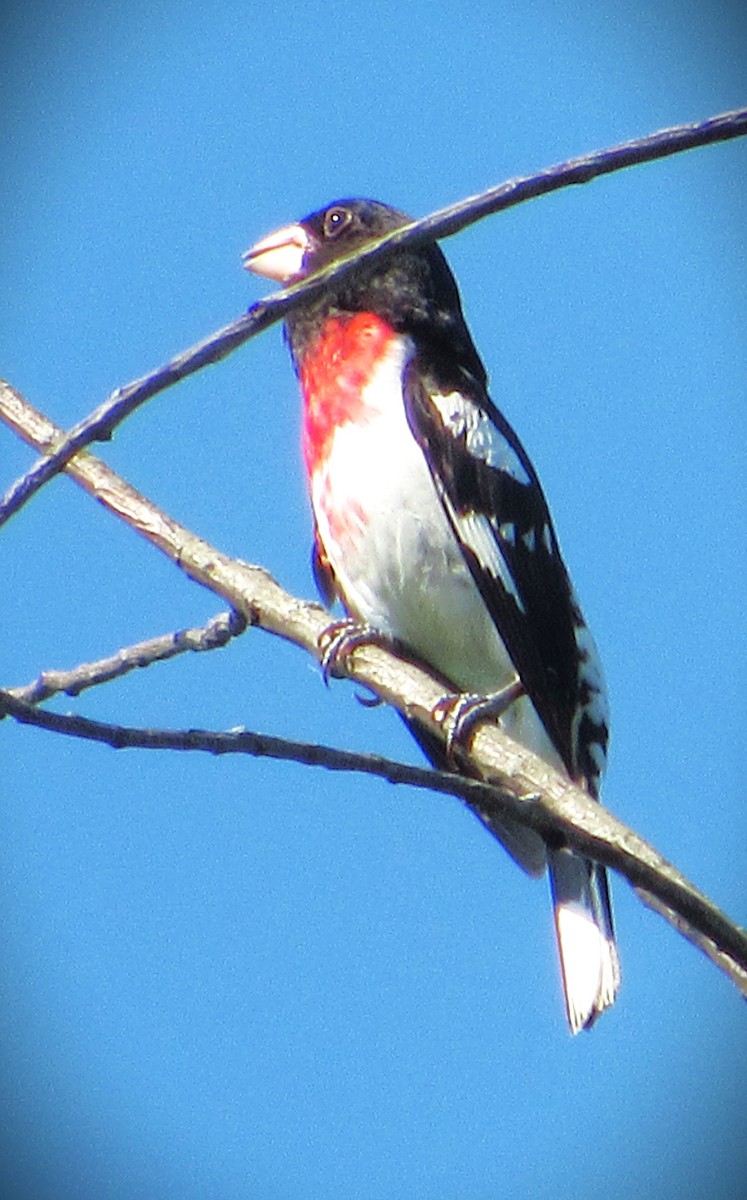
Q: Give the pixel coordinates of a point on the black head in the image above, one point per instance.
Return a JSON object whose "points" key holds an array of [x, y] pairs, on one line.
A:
{"points": [[413, 288], [344, 227]]}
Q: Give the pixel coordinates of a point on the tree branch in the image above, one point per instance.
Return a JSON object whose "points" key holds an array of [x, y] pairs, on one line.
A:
{"points": [[522, 785], [216, 633], [99, 425], [553, 806]]}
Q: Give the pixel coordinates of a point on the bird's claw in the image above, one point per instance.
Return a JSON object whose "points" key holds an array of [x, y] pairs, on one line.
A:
{"points": [[459, 715], [338, 640]]}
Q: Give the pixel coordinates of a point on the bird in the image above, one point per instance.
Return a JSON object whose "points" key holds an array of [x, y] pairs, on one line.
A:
{"points": [[432, 529]]}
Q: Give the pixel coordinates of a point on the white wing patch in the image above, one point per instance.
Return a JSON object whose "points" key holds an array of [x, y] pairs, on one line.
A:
{"points": [[483, 439], [508, 532], [480, 534]]}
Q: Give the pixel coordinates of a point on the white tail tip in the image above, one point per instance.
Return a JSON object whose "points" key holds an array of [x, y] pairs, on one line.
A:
{"points": [[586, 940]]}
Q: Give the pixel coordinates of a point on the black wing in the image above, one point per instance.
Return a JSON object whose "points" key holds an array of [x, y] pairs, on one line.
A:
{"points": [[493, 499]]}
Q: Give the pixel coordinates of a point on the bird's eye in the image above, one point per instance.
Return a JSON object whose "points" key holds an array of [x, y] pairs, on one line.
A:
{"points": [[335, 220]]}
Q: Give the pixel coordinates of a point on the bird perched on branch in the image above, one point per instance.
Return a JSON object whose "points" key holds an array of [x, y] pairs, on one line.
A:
{"points": [[432, 528]]}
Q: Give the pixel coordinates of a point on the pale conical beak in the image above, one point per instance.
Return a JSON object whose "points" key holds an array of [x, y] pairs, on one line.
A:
{"points": [[280, 255]]}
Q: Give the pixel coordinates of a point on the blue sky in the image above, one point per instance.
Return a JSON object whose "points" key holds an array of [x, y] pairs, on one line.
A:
{"points": [[242, 979]]}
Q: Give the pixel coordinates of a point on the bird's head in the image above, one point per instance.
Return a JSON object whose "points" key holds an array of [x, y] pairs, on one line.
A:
{"points": [[411, 288], [296, 251]]}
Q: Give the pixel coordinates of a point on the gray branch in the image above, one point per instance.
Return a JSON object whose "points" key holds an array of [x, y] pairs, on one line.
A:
{"points": [[511, 780], [100, 424], [216, 633]]}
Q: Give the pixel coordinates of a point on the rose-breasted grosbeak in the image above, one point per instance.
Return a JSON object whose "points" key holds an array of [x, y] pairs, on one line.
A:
{"points": [[431, 527]]}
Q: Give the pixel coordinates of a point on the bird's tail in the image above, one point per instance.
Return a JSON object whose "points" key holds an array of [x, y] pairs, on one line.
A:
{"points": [[586, 937], [581, 901]]}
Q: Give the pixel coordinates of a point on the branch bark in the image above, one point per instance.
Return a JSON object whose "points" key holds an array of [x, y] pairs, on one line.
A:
{"points": [[100, 424], [520, 784], [216, 633]]}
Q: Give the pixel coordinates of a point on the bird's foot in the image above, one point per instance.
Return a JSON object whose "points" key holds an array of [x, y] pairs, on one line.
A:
{"points": [[459, 715], [338, 640]]}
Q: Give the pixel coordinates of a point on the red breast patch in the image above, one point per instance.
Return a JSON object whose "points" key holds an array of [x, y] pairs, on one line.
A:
{"points": [[334, 373]]}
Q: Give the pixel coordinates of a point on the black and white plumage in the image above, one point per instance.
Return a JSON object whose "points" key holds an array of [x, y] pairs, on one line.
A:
{"points": [[431, 526]]}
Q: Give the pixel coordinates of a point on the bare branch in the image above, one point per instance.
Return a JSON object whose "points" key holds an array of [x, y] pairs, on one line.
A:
{"points": [[216, 633], [553, 806], [522, 785], [99, 425]]}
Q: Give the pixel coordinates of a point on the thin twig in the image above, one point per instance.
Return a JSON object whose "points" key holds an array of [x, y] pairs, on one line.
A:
{"points": [[99, 425], [218, 631], [558, 810]]}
